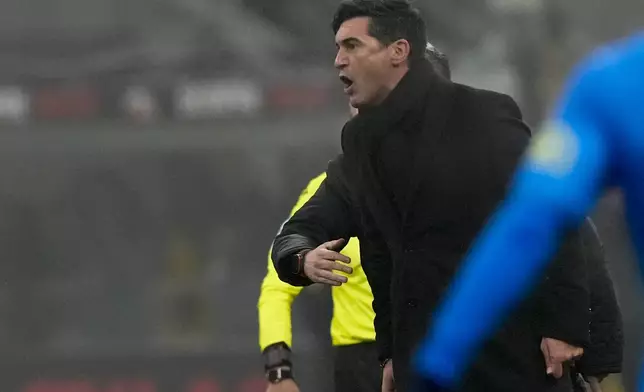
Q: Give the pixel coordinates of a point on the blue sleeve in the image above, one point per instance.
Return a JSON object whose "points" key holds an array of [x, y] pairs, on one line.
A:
{"points": [[553, 189]]}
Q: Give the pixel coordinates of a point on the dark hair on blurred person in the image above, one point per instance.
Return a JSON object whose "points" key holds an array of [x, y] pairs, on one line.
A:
{"points": [[389, 21], [439, 61]]}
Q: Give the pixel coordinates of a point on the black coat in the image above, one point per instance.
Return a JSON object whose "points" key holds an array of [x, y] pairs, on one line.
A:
{"points": [[418, 177], [604, 353]]}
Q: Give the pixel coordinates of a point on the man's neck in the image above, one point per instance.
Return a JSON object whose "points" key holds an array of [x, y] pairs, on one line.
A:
{"points": [[396, 76]]}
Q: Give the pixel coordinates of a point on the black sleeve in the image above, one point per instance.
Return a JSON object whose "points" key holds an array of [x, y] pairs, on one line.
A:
{"points": [[505, 109], [564, 297], [604, 354], [325, 217], [376, 262]]}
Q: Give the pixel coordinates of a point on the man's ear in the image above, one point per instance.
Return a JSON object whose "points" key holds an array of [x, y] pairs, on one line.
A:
{"points": [[400, 51]]}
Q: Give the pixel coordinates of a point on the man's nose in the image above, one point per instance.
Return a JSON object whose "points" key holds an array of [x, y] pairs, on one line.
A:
{"points": [[340, 60]]}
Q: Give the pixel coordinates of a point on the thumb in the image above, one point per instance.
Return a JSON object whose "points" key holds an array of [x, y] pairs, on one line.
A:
{"points": [[547, 358], [578, 352], [557, 370], [554, 365], [551, 366], [335, 245]]}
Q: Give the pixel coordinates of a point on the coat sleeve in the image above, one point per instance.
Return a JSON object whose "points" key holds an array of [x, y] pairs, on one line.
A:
{"points": [[605, 352], [563, 297], [276, 297], [274, 309], [326, 216]]}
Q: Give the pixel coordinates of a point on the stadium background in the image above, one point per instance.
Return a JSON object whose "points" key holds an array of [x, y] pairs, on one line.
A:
{"points": [[149, 150]]}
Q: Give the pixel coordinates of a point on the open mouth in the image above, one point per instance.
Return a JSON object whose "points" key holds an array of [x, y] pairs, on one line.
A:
{"points": [[346, 81]]}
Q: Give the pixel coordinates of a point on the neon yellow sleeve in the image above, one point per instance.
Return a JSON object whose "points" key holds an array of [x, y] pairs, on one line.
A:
{"points": [[276, 297], [274, 308]]}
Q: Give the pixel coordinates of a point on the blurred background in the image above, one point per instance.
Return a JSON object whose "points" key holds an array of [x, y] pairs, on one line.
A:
{"points": [[150, 149]]}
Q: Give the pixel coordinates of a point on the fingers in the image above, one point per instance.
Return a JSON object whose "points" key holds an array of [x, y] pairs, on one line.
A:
{"points": [[388, 383], [320, 263], [553, 365], [556, 353], [330, 276], [565, 354], [335, 256], [341, 267], [555, 370], [328, 265], [327, 282], [326, 276], [577, 353], [335, 244]]}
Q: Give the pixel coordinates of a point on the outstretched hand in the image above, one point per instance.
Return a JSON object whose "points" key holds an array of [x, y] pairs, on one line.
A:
{"points": [[321, 262]]}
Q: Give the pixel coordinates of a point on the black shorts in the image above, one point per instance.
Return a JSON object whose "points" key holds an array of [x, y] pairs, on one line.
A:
{"points": [[356, 368]]}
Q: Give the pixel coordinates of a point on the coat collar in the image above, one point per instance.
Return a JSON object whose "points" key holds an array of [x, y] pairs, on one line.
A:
{"points": [[421, 94], [373, 123]]}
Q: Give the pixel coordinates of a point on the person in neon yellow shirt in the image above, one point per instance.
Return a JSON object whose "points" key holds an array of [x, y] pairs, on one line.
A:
{"points": [[352, 331]]}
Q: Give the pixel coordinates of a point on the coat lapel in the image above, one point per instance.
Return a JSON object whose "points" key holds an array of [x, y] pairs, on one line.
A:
{"points": [[359, 162], [436, 115]]}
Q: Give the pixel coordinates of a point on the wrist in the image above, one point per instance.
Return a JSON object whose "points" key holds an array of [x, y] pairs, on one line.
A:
{"points": [[300, 258], [279, 374], [277, 355]]}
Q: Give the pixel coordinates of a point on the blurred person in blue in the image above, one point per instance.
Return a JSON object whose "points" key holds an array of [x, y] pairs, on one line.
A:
{"points": [[594, 141], [352, 331]]}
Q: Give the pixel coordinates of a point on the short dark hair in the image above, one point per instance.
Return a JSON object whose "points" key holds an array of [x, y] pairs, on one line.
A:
{"points": [[389, 20], [439, 61]]}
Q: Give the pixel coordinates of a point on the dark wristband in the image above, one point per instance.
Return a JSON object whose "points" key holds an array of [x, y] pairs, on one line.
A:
{"points": [[277, 355], [299, 262], [277, 375]]}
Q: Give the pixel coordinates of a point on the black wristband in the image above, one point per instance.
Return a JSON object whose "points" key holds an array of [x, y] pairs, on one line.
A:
{"points": [[298, 268], [276, 355], [277, 375]]}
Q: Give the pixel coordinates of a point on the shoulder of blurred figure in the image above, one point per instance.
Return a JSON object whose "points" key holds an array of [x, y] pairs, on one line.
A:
{"points": [[310, 189], [439, 61], [315, 183]]}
